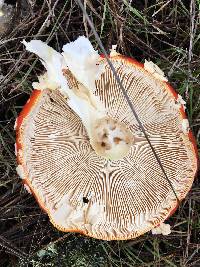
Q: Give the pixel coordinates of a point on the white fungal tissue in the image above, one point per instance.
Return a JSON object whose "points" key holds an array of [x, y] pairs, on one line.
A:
{"points": [[185, 126], [163, 229], [82, 60], [155, 70], [20, 171], [113, 51], [181, 101]]}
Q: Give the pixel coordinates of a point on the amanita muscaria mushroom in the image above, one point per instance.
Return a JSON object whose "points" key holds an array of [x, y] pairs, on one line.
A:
{"points": [[82, 154]]}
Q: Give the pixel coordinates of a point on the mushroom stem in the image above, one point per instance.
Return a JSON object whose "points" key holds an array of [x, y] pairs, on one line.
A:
{"points": [[110, 138]]}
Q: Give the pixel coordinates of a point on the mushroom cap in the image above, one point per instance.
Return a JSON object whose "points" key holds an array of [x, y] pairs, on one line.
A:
{"points": [[105, 199]]}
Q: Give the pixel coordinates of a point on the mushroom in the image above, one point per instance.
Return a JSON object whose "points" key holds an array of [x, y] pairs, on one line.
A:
{"points": [[81, 152]]}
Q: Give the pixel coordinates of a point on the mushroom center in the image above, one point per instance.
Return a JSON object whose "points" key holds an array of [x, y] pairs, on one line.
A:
{"points": [[110, 138]]}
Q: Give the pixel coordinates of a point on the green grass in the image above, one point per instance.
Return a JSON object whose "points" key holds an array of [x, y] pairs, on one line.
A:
{"points": [[166, 32]]}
